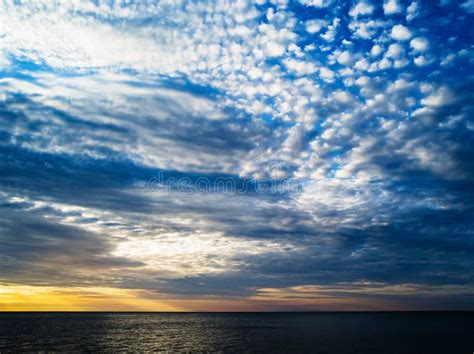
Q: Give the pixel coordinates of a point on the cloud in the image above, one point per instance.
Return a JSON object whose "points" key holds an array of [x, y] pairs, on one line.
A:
{"points": [[366, 29], [423, 60], [315, 26], [38, 251], [4, 62], [362, 8], [326, 74], [468, 6], [400, 33], [330, 34], [391, 7], [352, 155], [419, 44], [395, 51], [442, 96], [345, 58], [376, 50], [412, 11], [300, 67], [316, 3], [294, 142]]}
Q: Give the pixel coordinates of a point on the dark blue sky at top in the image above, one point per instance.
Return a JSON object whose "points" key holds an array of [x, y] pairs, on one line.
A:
{"points": [[364, 122]]}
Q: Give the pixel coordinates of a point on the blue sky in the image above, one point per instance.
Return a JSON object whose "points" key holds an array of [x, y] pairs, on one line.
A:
{"points": [[345, 127]]}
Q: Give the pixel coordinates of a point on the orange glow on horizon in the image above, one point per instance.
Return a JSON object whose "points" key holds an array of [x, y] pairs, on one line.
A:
{"points": [[15, 297], [46, 298]]}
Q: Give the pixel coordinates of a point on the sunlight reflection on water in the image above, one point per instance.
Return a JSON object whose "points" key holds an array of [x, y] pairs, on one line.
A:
{"points": [[271, 332]]}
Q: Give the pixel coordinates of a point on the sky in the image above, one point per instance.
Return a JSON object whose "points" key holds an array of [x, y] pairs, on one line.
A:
{"points": [[237, 156]]}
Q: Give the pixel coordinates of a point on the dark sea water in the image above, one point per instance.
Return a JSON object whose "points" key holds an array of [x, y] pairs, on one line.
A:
{"points": [[441, 332]]}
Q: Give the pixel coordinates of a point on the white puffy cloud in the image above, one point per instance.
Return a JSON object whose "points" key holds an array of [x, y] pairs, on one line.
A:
{"points": [[366, 29], [400, 33], [326, 74], [395, 51], [316, 3], [440, 97], [294, 142], [345, 58], [423, 60], [274, 49], [400, 63], [412, 11], [362, 64], [331, 31], [342, 97], [362, 8], [400, 85], [315, 26], [384, 64], [391, 7], [419, 44], [300, 67], [376, 50], [362, 81]]}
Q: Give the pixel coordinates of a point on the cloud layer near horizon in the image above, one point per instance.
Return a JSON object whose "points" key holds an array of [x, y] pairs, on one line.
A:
{"points": [[364, 108]]}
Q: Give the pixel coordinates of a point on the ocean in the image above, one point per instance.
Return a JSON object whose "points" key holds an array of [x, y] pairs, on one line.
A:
{"points": [[320, 332]]}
